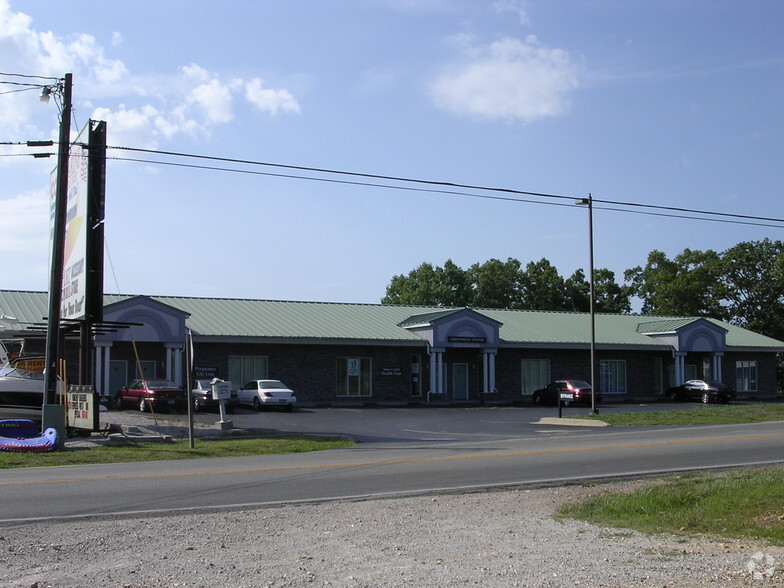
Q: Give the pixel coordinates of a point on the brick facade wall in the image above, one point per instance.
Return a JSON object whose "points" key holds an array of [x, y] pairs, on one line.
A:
{"points": [[311, 370]]}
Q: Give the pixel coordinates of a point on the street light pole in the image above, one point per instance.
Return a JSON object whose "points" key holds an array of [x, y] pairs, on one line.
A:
{"points": [[52, 415], [589, 202]]}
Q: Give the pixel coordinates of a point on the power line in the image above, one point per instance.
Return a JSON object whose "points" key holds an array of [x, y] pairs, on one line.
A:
{"points": [[29, 77], [344, 173], [721, 216]]}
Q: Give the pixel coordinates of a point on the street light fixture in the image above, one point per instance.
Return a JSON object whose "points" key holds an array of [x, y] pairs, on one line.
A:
{"points": [[46, 94], [589, 203]]}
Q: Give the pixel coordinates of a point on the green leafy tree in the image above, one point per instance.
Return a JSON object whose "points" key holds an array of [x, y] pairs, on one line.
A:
{"points": [[578, 292], [543, 288], [752, 279], [421, 286], [430, 285], [687, 285], [609, 296], [496, 284]]}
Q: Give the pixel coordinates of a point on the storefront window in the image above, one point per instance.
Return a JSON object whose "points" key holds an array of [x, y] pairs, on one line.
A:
{"points": [[244, 368], [535, 374], [354, 376], [746, 376], [613, 376]]}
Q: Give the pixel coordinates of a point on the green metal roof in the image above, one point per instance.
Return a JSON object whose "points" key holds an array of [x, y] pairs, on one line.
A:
{"points": [[271, 319], [664, 325]]}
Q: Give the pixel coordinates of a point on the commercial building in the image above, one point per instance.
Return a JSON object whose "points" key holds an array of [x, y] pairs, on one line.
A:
{"points": [[335, 354]]}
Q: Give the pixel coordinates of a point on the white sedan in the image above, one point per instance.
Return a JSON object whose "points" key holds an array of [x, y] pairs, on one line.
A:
{"points": [[263, 393]]}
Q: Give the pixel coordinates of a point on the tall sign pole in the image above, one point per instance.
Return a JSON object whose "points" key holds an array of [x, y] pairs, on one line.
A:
{"points": [[592, 306], [592, 294], [53, 414]]}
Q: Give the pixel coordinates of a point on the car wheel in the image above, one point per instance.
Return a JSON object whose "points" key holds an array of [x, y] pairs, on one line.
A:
{"points": [[196, 405], [567, 403], [257, 403], [705, 398], [537, 399], [142, 405], [118, 402]]}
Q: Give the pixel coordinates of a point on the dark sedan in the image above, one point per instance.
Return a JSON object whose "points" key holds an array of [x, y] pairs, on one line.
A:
{"points": [[569, 391], [705, 391]]}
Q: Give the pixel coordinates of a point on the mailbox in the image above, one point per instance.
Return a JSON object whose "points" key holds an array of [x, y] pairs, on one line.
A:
{"points": [[221, 390]]}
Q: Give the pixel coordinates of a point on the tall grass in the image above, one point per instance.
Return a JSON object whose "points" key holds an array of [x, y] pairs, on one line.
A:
{"points": [[696, 415], [741, 504], [234, 447]]}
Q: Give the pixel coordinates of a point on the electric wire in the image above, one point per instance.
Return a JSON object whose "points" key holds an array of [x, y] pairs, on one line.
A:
{"points": [[722, 217]]}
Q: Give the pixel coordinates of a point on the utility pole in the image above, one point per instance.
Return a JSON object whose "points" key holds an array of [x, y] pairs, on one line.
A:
{"points": [[54, 414], [589, 203]]}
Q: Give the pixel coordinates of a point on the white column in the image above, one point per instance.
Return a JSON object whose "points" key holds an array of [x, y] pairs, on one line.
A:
{"points": [[97, 362], [441, 382], [174, 363], [433, 373], [485, 372], [680, 368], [491, 369], [717, 366], [107, 360], [178, 366]]}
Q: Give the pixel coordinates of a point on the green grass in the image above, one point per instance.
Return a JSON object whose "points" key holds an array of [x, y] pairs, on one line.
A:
{"points": [[698, 415], [234, 447], [741, 504]]}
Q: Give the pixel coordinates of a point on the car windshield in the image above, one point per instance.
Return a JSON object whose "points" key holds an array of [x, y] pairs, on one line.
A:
{"points": [[273, 384], [160, 384], [12, 372], [578, 384], [714, 384]]}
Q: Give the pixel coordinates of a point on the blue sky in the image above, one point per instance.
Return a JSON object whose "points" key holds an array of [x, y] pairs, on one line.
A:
{"points": [[667, 103]]}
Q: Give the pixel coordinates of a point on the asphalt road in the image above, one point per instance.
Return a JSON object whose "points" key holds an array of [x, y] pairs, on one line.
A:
{"points": [[412, 424], [434, 450]]}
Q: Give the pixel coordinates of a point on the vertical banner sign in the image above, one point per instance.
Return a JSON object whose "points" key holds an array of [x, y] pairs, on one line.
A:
{"points": [[96, 197], [75, 248]]}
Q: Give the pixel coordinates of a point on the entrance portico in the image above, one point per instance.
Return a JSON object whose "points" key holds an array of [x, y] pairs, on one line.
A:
{"points": [[452, 330], [690, 336], [150, 322]]}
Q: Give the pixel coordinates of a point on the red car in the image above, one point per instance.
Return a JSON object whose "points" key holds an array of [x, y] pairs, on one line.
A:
{"points": [[155, 394]]}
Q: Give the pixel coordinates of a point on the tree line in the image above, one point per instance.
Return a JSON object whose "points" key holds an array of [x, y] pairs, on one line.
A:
{"points": [[743, 285]]}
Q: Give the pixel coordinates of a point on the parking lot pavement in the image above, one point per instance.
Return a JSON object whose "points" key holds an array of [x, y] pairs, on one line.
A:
{"points": [[381, 425]]}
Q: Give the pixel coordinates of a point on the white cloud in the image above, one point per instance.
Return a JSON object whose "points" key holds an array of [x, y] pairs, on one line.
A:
{"points": [[508, 79], [215, 100], [195, 72], [26, 226], [144, 127], [268, 100], [517, 7], [155, 107]]}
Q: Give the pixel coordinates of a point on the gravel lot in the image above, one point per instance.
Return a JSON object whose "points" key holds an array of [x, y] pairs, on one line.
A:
{"points": [[494, 539]]}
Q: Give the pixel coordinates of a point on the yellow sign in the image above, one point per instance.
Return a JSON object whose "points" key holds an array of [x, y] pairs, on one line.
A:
{"points": [[37, 364]]}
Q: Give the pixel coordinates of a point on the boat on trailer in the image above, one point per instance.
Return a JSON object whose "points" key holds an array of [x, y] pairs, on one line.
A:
{"points": [[22, 388]]}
